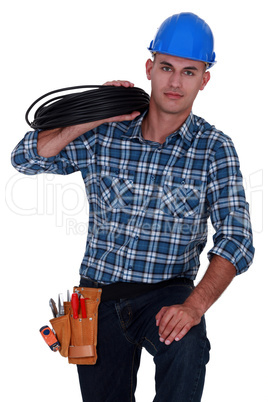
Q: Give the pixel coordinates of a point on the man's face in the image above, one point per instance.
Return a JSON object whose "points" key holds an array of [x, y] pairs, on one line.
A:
{"points": [[175, 83]]}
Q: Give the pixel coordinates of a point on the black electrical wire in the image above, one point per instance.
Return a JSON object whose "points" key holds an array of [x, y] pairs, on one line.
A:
{"points": [[86, 106]]}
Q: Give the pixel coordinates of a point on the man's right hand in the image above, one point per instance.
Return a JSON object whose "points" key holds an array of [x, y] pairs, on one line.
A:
{"points": [[133, 115], [51, 142], [118, 83]]}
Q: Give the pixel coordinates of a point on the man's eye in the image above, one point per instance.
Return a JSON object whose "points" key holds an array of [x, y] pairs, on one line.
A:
{"points": [[166, 68], [188, 72]]}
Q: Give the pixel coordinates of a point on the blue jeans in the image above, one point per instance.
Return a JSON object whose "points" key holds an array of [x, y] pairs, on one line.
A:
{"points": [[125, 327]]}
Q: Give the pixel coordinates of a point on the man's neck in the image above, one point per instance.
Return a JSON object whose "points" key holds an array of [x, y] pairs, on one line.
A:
{"points": [[158, 126]]}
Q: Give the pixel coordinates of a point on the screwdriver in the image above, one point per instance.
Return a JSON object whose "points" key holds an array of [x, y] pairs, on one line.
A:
{"points": [[83, 307], [75, 305]]}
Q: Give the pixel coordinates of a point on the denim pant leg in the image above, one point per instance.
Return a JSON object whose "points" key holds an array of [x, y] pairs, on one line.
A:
{"points": [[124, 328], [180, 367], [113, 377]]}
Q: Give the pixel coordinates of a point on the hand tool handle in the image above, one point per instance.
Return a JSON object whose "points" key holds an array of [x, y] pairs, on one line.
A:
{"points": [[75, 305], [83, 307]]}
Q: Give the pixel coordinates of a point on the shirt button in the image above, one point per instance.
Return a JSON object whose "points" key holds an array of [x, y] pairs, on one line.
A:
{"points": [[152, 177], [130, 268], [136, 237], [183, 182]]}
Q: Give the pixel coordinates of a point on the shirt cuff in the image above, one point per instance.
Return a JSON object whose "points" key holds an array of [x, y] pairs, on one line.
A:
{"points": [[241, 256]]}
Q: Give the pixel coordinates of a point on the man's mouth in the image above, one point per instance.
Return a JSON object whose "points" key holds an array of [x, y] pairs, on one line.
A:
{"points": [[173, 95]]}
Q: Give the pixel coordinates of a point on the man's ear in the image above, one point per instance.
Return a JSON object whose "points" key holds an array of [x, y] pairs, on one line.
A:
{"points": [[206, 78], [149, 66]]}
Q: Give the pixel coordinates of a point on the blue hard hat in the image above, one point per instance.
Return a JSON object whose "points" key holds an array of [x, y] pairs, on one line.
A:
{"points": [[185, 35]]}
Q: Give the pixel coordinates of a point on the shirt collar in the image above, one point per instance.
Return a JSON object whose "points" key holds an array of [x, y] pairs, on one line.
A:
{"points": [[134, 130], [185, 132]]}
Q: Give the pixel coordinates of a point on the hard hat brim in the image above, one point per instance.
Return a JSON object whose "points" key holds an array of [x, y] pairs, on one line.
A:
{"points": [[209, 63]]}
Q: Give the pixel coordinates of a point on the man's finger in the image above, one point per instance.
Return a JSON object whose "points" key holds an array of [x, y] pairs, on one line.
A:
{"points": [[172, 328], [160, 315], [183, 332], [166, 321], [119, 83], [178, 333], [124, 117]]}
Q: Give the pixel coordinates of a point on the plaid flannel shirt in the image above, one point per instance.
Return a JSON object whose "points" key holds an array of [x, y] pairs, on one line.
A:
{"points": [[149, 202]]}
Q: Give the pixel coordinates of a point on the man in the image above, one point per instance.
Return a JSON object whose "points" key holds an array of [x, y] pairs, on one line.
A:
{"points": [[152, 181]]}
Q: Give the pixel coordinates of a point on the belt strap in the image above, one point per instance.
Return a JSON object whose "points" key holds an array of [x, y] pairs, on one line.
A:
{"points": [[81, 351], [125, 290]]}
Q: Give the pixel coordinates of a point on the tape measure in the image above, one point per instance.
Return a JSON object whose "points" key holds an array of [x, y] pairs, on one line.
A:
{"points": [[50, 338]]}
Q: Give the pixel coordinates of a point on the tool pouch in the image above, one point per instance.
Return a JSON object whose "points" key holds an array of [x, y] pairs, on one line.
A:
{"points": [[78, 337]]}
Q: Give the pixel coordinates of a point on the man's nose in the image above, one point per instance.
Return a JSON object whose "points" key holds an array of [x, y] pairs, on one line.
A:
{"points": [[176, 80]]}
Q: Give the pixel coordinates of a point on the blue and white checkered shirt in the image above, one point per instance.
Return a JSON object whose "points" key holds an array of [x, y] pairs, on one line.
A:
{"points": [[149, 203]]}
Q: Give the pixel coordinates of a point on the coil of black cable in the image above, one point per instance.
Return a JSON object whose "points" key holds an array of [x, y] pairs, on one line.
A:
{"points": [[86, 106]]}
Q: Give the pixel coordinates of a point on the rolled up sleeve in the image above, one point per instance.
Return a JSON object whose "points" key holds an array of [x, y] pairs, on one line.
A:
{"points": [[229, 210], [72, 158]]}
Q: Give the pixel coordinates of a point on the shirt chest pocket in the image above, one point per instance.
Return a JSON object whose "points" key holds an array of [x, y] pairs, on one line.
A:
{"points": [[181, 197], [116, 187]]}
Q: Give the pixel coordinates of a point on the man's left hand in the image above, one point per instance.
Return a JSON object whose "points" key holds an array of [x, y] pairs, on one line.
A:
{"points": [[175, 321]]}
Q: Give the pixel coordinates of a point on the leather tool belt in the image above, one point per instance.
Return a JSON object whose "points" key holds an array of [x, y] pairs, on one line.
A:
{"points": [[78, 336]]}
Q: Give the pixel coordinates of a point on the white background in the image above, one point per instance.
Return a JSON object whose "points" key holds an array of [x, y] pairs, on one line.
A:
{"points": [[53, 44]]}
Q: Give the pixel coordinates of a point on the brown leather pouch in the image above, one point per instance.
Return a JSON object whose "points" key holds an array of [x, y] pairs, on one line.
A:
{"points": [[62, 327], [78, 337]]}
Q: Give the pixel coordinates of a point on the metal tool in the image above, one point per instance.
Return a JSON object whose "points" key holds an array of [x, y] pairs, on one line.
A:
{"points": [[61, 304], [68, 296], [53, 307]]}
